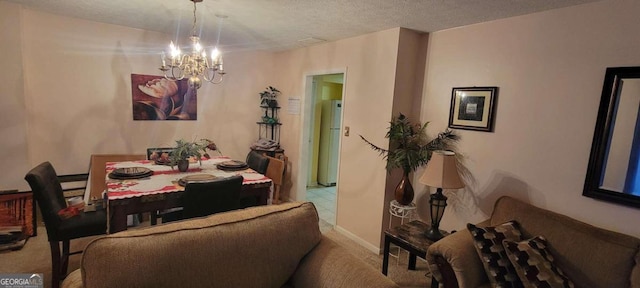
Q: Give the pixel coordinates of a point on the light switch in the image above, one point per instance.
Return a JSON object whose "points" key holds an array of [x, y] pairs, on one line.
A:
{"points": [[346, 131]]}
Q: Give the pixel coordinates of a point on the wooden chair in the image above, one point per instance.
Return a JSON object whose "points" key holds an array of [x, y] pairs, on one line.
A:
{"points": [[47, 191], [275, 171], [203, 199], [98, 174]]}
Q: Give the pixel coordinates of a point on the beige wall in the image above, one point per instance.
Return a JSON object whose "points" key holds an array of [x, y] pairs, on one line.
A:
{"points": [[407, 98], [370, 62], [13, 127], [550, 68]]}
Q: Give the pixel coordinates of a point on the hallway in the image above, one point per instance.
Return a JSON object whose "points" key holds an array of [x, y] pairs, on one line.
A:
{"points": [[324, 198]]}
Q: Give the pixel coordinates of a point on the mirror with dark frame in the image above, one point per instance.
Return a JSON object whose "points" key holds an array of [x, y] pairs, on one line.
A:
{"points": [[613, 173]]}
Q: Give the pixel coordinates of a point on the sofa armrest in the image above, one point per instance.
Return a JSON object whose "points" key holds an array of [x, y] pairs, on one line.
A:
{"points": [[330, 265], [454, 262], [73, 280]]}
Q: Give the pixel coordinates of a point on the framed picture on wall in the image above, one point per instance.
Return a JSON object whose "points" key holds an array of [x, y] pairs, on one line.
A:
{"points": [[157, 98], [472, 108]]}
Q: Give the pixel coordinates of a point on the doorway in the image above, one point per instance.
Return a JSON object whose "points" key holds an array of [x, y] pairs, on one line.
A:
{"points": [[324, 94]]}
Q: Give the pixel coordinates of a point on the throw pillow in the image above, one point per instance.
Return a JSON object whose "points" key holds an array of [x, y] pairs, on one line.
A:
{"points": [[488, 244], [534, 264]]}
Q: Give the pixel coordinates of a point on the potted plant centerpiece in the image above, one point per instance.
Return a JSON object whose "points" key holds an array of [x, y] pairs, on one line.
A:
{"points": [[184, 150], [268, 97], [409, 148]]}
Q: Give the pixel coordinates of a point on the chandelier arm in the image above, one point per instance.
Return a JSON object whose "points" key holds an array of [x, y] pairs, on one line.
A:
{"points": [[173, 74], [220, 81], [207, 72], [217, 72], [184, 61]]}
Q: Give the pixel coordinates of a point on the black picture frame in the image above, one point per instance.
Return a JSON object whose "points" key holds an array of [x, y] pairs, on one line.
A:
{"points": [[473, 108], [609, 113]]}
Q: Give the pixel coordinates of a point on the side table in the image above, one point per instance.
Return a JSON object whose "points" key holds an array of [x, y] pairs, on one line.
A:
{"points": [[402, 213], [411, 237]]}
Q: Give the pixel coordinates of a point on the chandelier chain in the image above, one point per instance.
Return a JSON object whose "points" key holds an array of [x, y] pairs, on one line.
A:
{"points": [[193, 27]]}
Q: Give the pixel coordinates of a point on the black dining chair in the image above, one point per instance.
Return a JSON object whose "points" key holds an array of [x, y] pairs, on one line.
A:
{"points": [[203, 199], [47, 191], [257, 162]]}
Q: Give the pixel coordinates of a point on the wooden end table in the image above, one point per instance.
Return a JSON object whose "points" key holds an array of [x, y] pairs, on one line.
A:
{"points": [[411, 237]]}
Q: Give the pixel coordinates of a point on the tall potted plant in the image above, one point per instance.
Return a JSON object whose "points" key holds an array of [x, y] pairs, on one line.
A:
{"points": [[409, 148]]}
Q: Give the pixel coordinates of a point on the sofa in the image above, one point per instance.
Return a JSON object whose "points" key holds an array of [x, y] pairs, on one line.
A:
{"points": [[589, 256], [266, 246]]}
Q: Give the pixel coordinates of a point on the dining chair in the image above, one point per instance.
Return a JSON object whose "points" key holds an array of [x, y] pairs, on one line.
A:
{"points": [[96, 184], [257, 162], [203, 199], [47, 191], [97, 172], [275, 171]]}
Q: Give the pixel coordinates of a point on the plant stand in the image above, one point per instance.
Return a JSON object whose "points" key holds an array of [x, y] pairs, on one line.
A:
{"points": [[269, 127]]}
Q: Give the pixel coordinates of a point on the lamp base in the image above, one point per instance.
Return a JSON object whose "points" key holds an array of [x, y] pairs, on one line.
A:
{"points": [[438, 203], [434, 234]]}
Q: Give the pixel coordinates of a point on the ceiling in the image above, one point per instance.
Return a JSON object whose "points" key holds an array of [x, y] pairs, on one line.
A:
{"points": [[277, 25]]}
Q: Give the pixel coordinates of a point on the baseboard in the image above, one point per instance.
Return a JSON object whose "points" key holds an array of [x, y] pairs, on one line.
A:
{"points": [[358, 240]]}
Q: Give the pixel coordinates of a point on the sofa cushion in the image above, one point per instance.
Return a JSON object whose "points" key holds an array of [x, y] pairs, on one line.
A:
{"points": [[331, 265], [582, 250], [488, 244], [534, 264], [254, 247]]}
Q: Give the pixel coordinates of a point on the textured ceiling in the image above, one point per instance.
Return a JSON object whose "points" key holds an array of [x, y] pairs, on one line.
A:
{"points": [[284, 24]]}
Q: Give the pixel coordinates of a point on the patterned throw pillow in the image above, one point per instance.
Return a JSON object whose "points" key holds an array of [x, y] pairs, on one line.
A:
{"points": [[488, 244], [534, 264]]}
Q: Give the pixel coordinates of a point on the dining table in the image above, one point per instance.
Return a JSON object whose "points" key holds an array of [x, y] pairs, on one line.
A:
{"points": [[162, 188]]}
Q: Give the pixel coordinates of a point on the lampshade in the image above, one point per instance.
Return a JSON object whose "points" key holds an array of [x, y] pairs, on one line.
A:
{"points": [[441, 171]]}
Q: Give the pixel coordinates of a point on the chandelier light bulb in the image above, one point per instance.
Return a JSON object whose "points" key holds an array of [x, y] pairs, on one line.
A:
{"points": [[175, 51], [197, 46], [215, 55]]}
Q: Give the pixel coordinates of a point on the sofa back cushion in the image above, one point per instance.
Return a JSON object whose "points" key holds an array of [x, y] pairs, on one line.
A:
{"points": [[590, 256], [254, 247]]}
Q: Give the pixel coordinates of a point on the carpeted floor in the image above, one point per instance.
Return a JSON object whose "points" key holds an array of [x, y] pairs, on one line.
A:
{"points": [[35, 257], [397, 272]]}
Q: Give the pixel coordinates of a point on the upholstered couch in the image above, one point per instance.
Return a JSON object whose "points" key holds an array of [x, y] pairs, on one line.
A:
{"points": [[591, 257], [267, 246]]}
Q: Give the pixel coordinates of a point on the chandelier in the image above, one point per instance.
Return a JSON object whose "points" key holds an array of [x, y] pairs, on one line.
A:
{"points": [[177, 66]]}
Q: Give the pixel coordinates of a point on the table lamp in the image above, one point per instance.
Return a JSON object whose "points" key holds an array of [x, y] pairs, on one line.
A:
{"points": [[441, 172]]}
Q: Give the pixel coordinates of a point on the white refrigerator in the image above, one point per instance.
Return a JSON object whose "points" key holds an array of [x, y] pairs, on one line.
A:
{"points": [[329, 142]]}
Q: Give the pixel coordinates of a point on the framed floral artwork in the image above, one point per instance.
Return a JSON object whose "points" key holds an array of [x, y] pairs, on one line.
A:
{"points": [[472, 108], [157, 98]]}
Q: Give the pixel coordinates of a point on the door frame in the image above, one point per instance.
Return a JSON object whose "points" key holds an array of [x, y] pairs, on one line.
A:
{"points": [[305, 133]]}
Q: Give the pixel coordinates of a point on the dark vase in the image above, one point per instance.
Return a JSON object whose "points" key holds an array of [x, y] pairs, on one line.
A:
{"points": [[183, 166], [404, 190], [272, 103]]}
